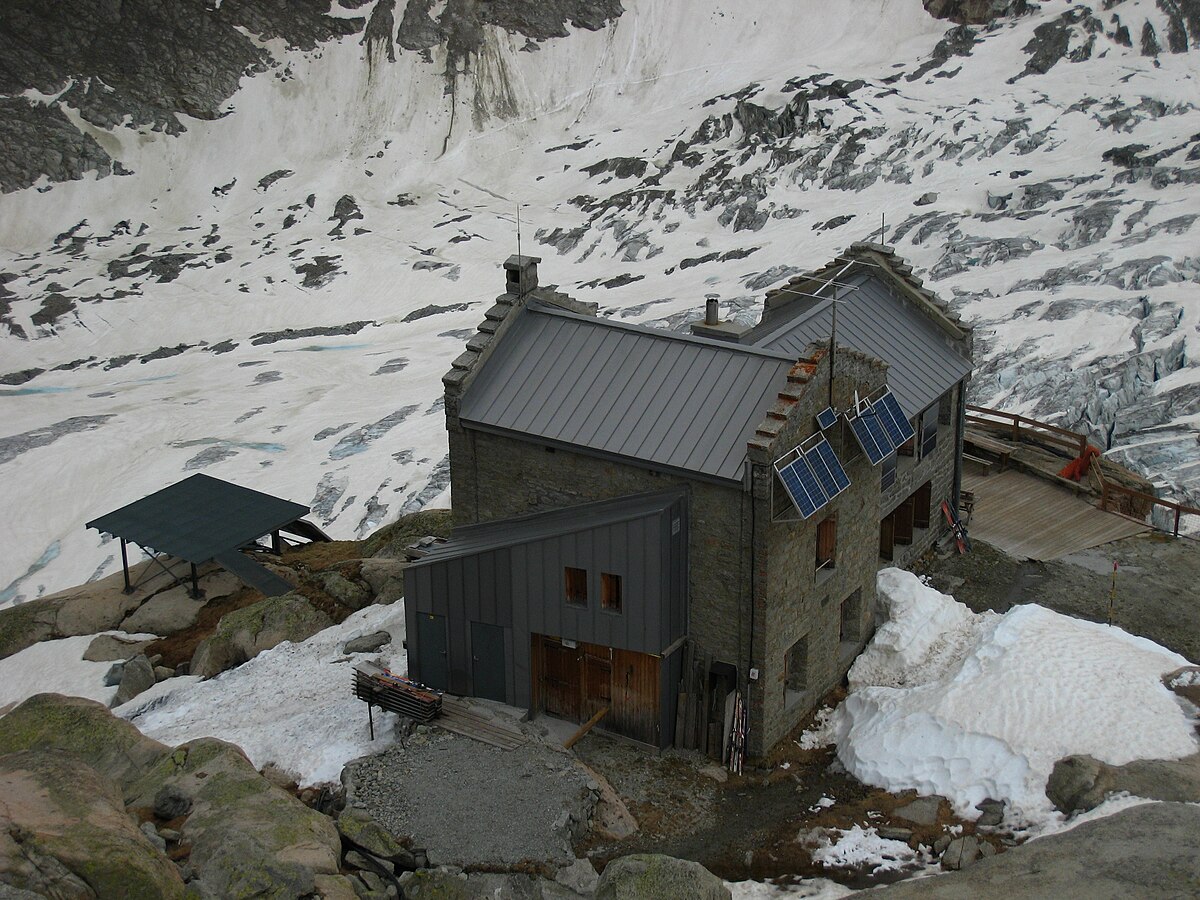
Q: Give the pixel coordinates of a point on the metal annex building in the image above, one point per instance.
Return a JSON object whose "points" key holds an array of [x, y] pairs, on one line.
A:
{"points": [[668, 527]]}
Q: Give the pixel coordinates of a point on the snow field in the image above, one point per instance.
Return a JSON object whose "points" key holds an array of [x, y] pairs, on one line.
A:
{"points": [[58, 667], [971, 707]]}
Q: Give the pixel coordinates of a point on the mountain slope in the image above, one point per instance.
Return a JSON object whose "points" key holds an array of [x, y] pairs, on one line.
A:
{"points": [[274, 292]]}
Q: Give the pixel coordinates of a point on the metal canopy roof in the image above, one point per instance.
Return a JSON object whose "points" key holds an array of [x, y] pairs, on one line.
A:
{"points": [[471, 539], [199, 518], [923, 362], [675, 401]]}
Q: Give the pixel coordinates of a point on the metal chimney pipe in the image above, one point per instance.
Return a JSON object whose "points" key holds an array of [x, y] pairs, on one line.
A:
{"points": [[711, 305]]}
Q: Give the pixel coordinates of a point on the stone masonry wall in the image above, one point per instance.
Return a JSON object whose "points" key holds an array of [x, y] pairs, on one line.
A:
{"points": [[797, 600], [937, 468]]}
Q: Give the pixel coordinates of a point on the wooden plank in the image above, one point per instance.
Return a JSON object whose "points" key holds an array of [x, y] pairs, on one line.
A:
{"points": [[584, 729]]}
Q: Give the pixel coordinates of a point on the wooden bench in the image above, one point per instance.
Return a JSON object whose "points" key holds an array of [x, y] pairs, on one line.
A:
{"points": [[979, 442]]}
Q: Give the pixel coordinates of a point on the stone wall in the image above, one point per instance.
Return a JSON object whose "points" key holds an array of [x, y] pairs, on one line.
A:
{"points": [[939, 469], [796, 600]]}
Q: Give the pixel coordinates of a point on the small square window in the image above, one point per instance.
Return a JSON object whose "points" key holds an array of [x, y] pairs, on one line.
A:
{"points": [[610, 592], [577, 594]]}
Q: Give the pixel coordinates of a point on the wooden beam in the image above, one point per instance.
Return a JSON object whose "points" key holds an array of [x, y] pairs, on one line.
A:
{"points": [[584, 729]]}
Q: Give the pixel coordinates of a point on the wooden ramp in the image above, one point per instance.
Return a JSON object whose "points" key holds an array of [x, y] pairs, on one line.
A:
{"points": [[462, 717], [1032, 518]]}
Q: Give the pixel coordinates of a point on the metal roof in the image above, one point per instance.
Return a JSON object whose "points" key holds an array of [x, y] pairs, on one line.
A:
{"points": [[199, 518], [470, 539], [923, 361], [676, 401]]}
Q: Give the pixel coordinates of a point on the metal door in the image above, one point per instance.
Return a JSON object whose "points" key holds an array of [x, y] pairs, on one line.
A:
{"points": [[431, 651], [488, 674]]}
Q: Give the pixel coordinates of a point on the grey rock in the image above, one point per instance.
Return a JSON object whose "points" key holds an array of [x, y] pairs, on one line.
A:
{"points": [[922, 811], [152, 835], [171, 802], [925, 199], [344, 591], [367, 862], [162, 673], [961, 853], [991, 813], [372, 881], [359, 827], [244, 633], [895, 833], [580, 876], [136, 676], [112, 677], [105, 647], [1146, 851], [1079, 783], [650, 876], [941, 843]]}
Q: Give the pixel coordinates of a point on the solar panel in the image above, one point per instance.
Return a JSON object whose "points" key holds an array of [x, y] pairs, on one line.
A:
{"points": [[826, 418], [895, 423], [871, 437], [802, 486], [828, 468]]}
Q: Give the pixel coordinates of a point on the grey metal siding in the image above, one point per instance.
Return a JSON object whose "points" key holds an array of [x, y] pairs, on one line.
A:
{"points": [[923, 362], [673, 400], [519, 583]]}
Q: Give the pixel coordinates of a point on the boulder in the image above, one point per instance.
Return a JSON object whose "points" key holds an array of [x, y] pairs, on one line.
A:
{"points": [[1144, 851], [248, 837], [385, 578], [335, 887], [1079, 783], [347, 593], [136, 676], [64, 832], [579, 877], [112, 678], [436, 884], [922, 811], [650, 876], [367, 643], [171, 802], [87, 609], [358, 827], [110, 647], [961, 852], [85, 729], [991, 813], [244, 633], [170, 611]]}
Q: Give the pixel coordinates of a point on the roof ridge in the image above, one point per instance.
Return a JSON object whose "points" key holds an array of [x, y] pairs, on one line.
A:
{"points": [[604, 322]]}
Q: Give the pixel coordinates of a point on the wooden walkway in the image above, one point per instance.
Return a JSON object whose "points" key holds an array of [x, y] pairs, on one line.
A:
{"points": [[1031, 518], [471, 720]]}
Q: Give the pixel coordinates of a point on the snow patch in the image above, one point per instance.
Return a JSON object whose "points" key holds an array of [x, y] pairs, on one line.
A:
{"points": [[995, 701], [58, 667], [290, 705], [863, 848]]}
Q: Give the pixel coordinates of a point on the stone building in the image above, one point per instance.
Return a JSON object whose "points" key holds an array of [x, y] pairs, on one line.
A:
{"points": [[649, 522]]}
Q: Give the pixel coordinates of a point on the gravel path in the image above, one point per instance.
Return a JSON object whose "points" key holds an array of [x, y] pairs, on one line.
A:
{"points": [[469, 804]]}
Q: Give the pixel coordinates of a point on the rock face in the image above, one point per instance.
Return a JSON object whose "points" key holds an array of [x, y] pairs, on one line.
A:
{"points": [[85, 729], [246, 834], [244, 633], [649, 876], [136, 675], [974, 12], [1146, 851], [64, 833], [1080, 783]]}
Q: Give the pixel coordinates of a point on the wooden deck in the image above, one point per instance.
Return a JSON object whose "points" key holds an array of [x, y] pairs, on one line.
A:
{"points": [[1032, 518]]}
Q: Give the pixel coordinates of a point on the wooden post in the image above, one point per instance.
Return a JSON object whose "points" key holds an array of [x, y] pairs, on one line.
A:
{"points": [[584, 729]]}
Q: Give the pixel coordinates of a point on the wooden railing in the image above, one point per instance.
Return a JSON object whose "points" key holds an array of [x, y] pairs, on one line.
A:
{"points": [[1021, 428], [1114, 497], [1135, 503]]}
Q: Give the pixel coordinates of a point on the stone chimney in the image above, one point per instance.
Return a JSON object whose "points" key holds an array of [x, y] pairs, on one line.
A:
{"points": [[520, 274], [711, 325]]}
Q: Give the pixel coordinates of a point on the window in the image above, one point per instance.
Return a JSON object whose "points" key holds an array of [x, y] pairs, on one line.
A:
{"points": [[795, 671], [576, 586], [610, 592], [887, 472], [827, 543], [928, 430]]}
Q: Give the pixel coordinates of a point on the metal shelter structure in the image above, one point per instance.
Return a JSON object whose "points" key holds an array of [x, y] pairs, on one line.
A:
{"points": [[204, 519]]}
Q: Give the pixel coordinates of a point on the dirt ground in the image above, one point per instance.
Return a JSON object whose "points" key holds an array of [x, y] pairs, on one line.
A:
{"points": [[1157, 585]]}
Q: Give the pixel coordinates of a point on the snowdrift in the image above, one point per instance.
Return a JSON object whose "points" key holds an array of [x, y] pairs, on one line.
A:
{"points": [[972, 706]]}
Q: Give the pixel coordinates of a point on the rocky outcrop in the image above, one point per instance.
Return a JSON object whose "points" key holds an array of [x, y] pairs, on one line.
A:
{"points": [[1146, 851], [975, 12], [64, 833], [650, 876], [1080, 783], [83, 728], [245, 833], [244, 633]]}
